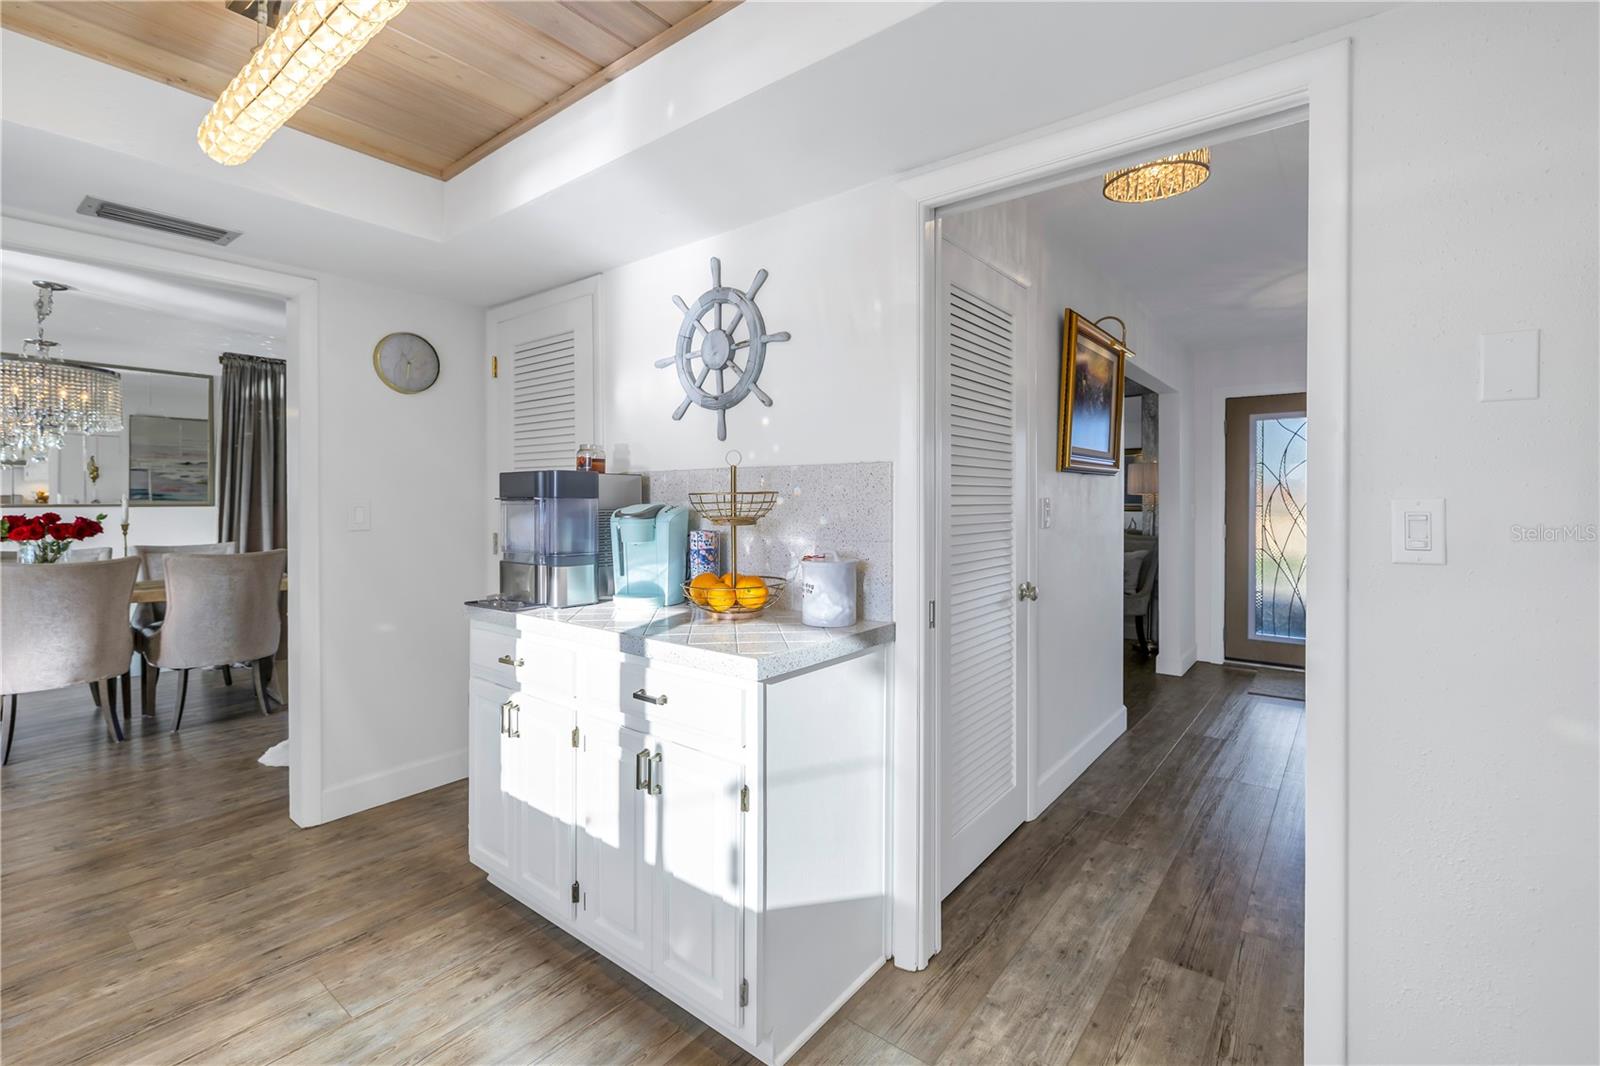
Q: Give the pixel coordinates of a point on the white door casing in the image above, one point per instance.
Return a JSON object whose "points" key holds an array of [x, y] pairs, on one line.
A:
{"points": [[983, 541]]}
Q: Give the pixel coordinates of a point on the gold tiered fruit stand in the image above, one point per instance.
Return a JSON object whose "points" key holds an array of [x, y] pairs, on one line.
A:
{"points": [[734, 509]]}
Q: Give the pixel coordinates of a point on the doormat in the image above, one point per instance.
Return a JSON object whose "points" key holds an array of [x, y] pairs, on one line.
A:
{"points": [[1279, 684]]}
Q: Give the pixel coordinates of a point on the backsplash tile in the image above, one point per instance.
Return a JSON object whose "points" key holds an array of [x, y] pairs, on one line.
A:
{"points": [[839, 507]]}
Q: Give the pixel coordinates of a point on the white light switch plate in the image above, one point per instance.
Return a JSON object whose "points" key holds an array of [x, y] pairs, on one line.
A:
{"points": [[1416, 531], [1508, 365], [360, 518]]}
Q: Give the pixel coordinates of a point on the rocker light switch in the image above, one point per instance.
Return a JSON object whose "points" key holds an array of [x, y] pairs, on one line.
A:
{"points": [[360, 518], [1417, 531]]}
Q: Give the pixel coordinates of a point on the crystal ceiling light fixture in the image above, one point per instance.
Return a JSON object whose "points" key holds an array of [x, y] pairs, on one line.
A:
{"points": [[1171, 175], [42, 398], [311, 41]]}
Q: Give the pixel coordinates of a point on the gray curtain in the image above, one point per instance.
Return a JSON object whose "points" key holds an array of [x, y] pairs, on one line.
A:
{"points": [[252, 491]]}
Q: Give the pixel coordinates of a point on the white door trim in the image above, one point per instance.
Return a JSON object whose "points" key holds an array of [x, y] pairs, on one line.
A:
{"points": [[1318, 79], [305, 615]]}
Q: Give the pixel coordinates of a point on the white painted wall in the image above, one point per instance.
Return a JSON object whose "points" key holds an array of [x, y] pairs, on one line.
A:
{"points": [[834, 391], [394, 656], [1218, 375], [1474, 908]]}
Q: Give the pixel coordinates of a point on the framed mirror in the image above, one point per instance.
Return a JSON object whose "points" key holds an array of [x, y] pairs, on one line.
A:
{"points": [[165, 455]]}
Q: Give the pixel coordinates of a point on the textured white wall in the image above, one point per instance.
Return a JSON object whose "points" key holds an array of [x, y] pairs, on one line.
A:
{"points": [[394, 657], [1473, 708], [834, 393]]}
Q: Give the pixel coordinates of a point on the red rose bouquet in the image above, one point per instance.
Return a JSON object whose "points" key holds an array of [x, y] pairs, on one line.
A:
{"points": [[45, 538]]}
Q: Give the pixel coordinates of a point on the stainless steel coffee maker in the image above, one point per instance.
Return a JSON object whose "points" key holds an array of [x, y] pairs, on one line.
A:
{"points": [[555, 541]]}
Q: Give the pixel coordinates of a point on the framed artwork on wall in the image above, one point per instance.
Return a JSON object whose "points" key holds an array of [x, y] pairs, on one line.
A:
{"points": [[169, 461], [1089, 415]]}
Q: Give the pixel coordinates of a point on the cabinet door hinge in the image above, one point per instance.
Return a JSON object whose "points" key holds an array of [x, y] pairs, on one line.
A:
{"points": [[494, 366], [494, 543], [744, 798], [932, 613], [574, 736], [574, 891], [744, 993]]}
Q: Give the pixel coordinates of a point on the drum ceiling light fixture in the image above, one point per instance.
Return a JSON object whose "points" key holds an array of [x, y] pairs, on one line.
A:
{"points": [[311, 41], [1171, 175]]}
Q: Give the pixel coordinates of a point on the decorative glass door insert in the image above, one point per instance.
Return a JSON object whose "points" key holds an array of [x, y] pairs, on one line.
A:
{"points": [[1278, 528]]}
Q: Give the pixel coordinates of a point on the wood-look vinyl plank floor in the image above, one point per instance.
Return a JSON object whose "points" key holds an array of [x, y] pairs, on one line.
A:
{"points": [[159, 907]]}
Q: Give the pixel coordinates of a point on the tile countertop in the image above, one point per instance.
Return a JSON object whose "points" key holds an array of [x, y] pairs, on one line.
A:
{"points": [[768, 647]]}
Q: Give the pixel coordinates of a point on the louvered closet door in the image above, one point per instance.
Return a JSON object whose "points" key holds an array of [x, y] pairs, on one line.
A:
{"points": [[982, 731], [545, 394]]}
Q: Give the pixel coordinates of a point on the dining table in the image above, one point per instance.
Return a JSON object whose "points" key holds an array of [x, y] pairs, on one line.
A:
{"points": [[156, 591]]}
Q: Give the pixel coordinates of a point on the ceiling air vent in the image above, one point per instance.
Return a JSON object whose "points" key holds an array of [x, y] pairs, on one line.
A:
{"points": [[137, 216]]}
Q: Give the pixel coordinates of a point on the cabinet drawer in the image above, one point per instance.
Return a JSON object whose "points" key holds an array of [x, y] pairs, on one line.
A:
{"points": [[664, 696], [515, 661]]}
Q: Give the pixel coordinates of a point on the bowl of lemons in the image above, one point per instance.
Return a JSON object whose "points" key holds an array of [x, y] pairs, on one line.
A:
{"points": [[731, 595]]}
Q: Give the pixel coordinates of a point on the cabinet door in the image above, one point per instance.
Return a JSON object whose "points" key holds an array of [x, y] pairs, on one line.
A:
{"points": [[613, 875], [491, 770], [699, 883], [542, 800]]}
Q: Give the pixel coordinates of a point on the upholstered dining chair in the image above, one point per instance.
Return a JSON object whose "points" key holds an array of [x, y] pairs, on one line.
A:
{"points": [[152, 567], [86, 555], [66, 625], [220, 609]]}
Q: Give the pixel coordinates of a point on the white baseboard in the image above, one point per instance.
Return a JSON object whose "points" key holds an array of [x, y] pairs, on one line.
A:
{"points": [[1055, 780], [1176, 665], [374, 790], [811, 1030]]}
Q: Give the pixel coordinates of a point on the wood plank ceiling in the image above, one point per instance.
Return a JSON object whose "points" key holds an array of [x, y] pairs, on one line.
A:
{"points": [[442, 86]]}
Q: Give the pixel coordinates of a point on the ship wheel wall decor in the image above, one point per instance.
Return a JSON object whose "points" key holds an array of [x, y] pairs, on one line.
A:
{"points": [[708, 337]]}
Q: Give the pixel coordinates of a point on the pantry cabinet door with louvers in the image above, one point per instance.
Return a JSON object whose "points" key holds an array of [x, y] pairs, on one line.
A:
{"points": [[544, 396], [982, 545]]}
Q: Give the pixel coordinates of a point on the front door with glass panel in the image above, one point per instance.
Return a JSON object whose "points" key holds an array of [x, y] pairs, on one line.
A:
{"points": [[1265, 545]]}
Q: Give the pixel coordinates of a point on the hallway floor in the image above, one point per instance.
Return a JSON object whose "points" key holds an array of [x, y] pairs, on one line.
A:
{"points": [[160, 907]]}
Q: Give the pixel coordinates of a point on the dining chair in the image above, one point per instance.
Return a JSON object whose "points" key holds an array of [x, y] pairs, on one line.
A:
{"points": [[152, 567], [66, 625], [86, 555], [220, 609]]}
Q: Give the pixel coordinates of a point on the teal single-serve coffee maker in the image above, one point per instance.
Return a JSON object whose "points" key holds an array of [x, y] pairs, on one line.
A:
{"points": [[649, 550]]}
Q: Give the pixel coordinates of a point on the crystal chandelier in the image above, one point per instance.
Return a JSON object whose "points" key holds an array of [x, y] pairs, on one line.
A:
{"points": [[1171, 175], [43, 398], [307, 47]]}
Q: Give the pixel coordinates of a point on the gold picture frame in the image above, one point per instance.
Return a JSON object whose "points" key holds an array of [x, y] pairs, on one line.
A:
{"points": [[1089, 412]]}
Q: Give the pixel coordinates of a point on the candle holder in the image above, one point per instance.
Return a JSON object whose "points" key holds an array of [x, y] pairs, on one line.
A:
{"points": [[124, 540]]}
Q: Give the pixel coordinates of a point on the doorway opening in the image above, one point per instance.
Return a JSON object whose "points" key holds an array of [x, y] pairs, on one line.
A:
{"points": [[1083, 704]]}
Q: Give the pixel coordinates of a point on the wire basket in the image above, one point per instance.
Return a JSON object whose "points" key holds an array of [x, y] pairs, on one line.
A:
{"points": [[734, 508], [714, 601]]}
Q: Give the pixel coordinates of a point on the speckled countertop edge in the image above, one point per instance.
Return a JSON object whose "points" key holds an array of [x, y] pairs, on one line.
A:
{"points": [[769, 647]]}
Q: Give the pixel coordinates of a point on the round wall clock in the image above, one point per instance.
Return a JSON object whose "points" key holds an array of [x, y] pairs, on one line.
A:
{"points": [[406, 363]]}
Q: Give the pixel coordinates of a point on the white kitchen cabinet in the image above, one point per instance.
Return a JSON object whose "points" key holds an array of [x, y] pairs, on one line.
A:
{"points": [[713, 823], [699, 890], [613, 854], [541, 794], [491, 770]]}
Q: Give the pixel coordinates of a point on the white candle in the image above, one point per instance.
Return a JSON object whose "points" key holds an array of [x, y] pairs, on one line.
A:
{"points": [[124, 508]]}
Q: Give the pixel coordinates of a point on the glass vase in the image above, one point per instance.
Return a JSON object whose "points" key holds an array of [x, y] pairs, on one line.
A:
{"points": [[42, 551]]}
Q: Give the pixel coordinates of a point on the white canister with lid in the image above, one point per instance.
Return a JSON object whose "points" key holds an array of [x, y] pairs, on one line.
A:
{"points": [[827, 590]]}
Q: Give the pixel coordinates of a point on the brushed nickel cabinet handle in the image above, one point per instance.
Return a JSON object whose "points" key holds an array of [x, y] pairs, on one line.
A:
{"points": [[641, 770], [516, 721], [655, 774], [644, 697], [509, 661], [505, 718]]}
